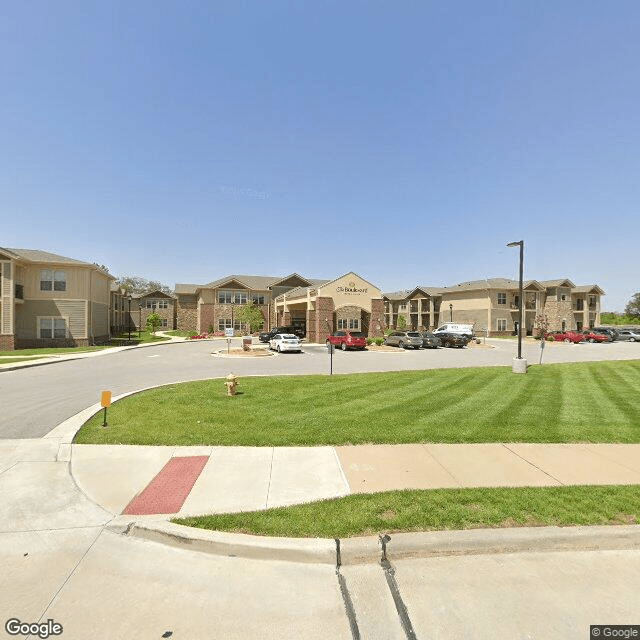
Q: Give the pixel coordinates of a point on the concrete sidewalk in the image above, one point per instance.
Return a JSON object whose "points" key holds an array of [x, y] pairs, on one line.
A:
{"points": [[234, 479]]}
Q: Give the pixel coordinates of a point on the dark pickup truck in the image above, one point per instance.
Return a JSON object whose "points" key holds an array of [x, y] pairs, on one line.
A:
{"points": [[265, 336]]}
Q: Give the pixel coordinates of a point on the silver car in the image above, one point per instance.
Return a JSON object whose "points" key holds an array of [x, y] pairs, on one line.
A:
{"points": [[404, 339], [626, 335]]}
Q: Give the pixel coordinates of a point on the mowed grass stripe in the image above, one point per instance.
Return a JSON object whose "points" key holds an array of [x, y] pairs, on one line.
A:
{"points": [[437, 509], [590, 402]]}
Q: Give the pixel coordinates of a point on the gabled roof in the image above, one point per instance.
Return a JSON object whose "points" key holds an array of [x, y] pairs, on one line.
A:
{"points": [[299, 292], [563, 282], [349, 273], [254, 283], [493, 283], [157, 293], [588, 288], [260, 283], [36, 256]]}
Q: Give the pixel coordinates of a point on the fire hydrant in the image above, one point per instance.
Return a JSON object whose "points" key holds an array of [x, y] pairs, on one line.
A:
{"points": [[232, 383]]}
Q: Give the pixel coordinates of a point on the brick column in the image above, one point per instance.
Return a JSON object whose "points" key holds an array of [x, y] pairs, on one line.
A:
{"points": [[324, 319], [377, 317]]}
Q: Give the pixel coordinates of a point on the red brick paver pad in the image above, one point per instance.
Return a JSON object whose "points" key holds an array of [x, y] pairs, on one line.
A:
{"points": [[167, 492]]}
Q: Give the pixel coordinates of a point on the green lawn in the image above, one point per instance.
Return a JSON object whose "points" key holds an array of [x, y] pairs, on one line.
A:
{"points": [[142, 337], [585, 402], [358, 515], [51, 351]]}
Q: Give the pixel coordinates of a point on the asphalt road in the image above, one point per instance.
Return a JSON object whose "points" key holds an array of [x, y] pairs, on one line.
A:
{"points": [[34, 400]]}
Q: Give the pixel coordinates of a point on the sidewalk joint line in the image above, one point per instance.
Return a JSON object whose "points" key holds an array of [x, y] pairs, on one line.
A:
{"points": [[535, 466], [266, 504], [62, 586]]}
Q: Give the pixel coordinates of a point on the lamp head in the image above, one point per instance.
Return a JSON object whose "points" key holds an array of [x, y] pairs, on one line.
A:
{"points": [[516, 244]]}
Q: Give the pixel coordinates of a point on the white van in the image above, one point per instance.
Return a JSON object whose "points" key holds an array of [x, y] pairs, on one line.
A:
{"points": [[453, 327]]}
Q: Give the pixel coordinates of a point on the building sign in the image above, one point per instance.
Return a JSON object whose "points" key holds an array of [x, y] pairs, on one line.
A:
{"points": [[351, 289]]}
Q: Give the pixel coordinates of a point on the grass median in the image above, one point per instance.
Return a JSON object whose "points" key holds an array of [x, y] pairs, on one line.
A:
{"points": [[585, 402], [436, 509]]}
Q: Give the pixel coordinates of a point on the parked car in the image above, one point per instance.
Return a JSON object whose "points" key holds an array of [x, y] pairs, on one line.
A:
{"points": [[451, 340], [455, 327], [566, 336], [590, 336], [266, 336], [404, 339], [628, 335], [285, 342], [430, 341], [348, 340], [608, 331]]}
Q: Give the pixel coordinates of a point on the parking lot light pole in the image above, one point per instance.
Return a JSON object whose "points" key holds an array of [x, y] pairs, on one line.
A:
{"points": [[518, 366], [129, 301]]}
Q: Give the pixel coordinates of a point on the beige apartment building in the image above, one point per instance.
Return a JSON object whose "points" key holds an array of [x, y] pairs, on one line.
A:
{"points": [[51, 300], [491, 305], [317, 307], [214, 306]]}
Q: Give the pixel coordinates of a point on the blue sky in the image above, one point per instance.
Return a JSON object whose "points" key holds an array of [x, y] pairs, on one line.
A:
{"points": [[406, 141]]}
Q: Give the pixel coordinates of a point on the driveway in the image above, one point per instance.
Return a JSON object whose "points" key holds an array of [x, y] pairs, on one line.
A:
{"points": [[36, 399]]}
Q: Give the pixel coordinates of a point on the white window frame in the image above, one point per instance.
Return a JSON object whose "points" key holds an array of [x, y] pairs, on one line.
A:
{"points": [[349, 324], [501, 324], [502, 298], [55, 279], [258, 299], [225, 296], [225, 323], [52, 321]]}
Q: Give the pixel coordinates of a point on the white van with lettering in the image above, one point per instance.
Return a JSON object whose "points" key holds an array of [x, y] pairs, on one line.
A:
{"points": [[453, 327]]}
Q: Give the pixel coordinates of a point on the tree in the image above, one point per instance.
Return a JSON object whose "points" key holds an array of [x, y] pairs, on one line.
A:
{"points": [[102, 267], [401, 323], [540, 329], [251, 315], [633, 306], [153, 321], [136, 284]]}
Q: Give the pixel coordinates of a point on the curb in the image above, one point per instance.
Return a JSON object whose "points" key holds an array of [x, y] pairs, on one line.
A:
{"points": [[353, 551]]}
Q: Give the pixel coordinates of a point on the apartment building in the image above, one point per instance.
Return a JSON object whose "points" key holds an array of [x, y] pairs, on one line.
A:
{"points": [[491, 305], [214, 306], [51, 300]]}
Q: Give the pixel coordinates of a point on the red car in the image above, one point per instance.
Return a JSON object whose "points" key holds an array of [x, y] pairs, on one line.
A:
{"points": [[348, 340], [590, 336], [566, 336]]}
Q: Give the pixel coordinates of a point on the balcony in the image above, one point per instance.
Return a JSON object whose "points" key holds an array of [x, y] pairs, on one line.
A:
{"points": [[19, 292]]}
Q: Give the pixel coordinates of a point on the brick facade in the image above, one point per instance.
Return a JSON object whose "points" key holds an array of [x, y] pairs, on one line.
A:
{"points": [[324, 325], [7, 343], [187, 313]]}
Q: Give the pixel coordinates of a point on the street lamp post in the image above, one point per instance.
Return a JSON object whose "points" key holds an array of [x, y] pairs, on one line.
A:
{"points": [[450, 313], [129, 323], [521, 365]]}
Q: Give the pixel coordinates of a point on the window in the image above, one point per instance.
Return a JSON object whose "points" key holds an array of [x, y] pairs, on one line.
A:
{"points": [[151, 304], [502, 299], [51, 280], [501, 324], [403, 306], [232, 297], [579, 304], [257, 299], [225, 323], [164, 322], [49, 328], [351, 324]]}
